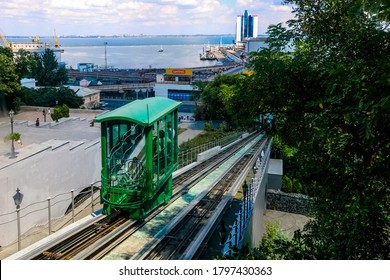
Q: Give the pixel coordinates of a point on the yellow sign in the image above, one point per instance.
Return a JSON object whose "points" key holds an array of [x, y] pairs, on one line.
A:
{"points": [[171, 71], [248, 72]]}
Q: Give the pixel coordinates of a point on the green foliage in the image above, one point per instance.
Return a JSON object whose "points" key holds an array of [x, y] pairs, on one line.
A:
{"points": [[208, 126], [222, 99], [46, 71], [223, 126], [12, 136], [9, 80], [205, 138], [274, 245], [48, 97], [293, 186], [60, 111], [330, 99], [24, 63], [377, 8]]}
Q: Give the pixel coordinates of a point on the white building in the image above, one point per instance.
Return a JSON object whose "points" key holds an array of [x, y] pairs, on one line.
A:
{"points": [[91, 97], [176, 84], [247, 26], [255, 44]]}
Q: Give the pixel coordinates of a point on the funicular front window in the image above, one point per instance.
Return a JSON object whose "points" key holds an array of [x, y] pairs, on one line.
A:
{"points": [[125, 157]]}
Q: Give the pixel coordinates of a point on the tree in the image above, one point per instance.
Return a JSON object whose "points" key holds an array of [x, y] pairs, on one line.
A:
{"points": [[49, 97], [46, 71], [222, 99], [9, 80], [330, 99], [24, 63]]}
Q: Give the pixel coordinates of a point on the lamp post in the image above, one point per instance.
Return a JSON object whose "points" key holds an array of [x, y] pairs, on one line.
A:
{"points": [[11, 115], [18, 197], [55, 110], [105, 54]]}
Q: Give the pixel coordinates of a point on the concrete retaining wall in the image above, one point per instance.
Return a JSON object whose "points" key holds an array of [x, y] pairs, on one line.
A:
{"points": [[288, 202], [209, 153], [41, 171]]}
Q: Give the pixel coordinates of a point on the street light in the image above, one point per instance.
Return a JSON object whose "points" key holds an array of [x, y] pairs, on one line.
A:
{"points": [[18, 197], [105, 54], [11, 115]]}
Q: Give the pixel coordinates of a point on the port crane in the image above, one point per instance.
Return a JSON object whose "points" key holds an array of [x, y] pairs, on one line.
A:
{"points": [[4, 40], [33, 46]]}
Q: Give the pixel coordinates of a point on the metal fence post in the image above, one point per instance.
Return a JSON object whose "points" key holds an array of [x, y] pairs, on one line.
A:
{"points": [[49, 213], [72, 192], [19, 234], [93, 210]]}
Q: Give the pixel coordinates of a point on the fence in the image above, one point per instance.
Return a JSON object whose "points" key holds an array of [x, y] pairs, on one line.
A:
{"points": [[243, 217], [85, 195], [189, 156]]}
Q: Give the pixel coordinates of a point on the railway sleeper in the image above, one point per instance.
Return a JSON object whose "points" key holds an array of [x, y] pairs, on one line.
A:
{"points": [[52, 256]]}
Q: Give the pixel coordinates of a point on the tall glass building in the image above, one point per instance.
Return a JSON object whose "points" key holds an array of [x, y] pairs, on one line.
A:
{"points": [[246, 26]]}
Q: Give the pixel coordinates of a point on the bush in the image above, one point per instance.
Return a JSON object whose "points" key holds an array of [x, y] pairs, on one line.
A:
{"points": [[292, 186], [60, 112], [12, 136], [208, 126]]}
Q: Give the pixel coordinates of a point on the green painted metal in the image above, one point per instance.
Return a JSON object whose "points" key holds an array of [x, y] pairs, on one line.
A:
{"points": [[145, 112], [138, 184], [149, 162]]}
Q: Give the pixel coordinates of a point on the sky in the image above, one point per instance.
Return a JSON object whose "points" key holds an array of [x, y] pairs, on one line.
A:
{"points": [[147, 17]]}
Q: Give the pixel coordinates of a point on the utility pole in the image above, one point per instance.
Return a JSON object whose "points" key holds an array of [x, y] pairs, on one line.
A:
{"points": [[105, 54]]}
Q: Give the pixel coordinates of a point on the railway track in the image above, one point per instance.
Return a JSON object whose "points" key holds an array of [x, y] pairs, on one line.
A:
{"points": [[175, 244], [97, 239]]}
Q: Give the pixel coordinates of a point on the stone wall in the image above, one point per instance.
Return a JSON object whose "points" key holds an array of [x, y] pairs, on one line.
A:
{"points": [[288, 202]]}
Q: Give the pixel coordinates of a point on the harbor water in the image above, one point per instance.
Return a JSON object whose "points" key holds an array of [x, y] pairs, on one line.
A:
{"points": [[136, 52]]}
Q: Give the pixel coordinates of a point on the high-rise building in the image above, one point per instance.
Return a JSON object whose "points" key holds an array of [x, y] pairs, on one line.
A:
{"points": [[246, 26]]}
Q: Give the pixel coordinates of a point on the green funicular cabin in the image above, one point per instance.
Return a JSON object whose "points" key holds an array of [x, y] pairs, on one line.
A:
{"points": [[139, 153]]}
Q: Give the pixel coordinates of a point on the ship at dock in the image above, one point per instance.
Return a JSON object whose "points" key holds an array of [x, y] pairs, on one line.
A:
{"points": [[35, 46], [207, 54]]}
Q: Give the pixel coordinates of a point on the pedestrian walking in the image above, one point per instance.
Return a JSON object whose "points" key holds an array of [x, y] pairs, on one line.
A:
{"points": [[44, 114]]}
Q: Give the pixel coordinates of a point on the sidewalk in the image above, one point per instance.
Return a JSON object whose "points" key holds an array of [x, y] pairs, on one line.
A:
{"points": [[193, 129], [24, 123], [287, 222]]}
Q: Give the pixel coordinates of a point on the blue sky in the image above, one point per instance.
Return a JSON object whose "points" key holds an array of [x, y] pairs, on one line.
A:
{"points": [[134, 17]]}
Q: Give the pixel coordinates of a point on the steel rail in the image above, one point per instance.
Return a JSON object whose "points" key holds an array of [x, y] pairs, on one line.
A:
{"points": [[77, 245], [174, 245]]}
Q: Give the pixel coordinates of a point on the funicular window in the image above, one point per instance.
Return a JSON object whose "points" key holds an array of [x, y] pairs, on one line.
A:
{"points": [[164, 146], [125, 152]]}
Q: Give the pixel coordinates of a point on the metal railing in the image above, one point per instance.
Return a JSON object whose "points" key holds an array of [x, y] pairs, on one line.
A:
{"points": [[86, 196], [188, 156], [243, 217]]}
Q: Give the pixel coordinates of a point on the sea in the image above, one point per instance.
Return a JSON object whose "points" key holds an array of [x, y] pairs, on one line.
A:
{"points": [[138, 52]]}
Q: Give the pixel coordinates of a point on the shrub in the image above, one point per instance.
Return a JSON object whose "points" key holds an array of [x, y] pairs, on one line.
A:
{"points": [[12, 136], [60, 112]]}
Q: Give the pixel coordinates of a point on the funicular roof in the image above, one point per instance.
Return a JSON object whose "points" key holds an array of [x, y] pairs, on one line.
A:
{"points": [[145, 111]]}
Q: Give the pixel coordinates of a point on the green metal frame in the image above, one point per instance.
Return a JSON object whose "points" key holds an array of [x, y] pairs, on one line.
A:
{"points": [[138, 184]]}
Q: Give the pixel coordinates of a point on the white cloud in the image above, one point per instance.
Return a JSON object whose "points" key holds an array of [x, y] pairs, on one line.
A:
{"points": [[283, 8], [106, 17]]}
